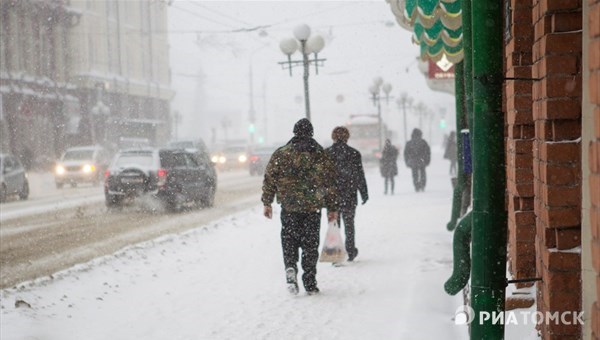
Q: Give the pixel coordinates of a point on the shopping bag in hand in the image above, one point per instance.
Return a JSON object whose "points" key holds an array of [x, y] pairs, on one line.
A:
{"points": [[333, 248]]}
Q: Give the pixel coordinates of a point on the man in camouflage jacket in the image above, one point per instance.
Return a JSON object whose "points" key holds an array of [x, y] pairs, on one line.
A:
{"points": [[302, 176]]}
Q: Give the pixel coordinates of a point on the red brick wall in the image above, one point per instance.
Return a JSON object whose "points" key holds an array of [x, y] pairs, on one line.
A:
{"points": [[594, 86], [519, 142], [557, 158]]}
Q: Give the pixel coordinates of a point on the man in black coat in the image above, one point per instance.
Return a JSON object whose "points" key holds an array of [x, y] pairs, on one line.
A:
{"points": [[417, 156], [350, 179]]}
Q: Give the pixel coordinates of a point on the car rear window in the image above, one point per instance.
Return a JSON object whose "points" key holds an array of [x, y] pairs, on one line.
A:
{"points": [[182, 145], [128, 159], [78, 155], [173, 159]]}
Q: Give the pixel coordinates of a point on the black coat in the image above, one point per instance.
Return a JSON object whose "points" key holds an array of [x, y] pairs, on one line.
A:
{"points": [[387, 163], [417, 153], [350, 174]]}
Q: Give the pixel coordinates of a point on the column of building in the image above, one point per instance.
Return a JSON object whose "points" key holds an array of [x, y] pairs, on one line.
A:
{"points": [[519, 143], [557, 160]]}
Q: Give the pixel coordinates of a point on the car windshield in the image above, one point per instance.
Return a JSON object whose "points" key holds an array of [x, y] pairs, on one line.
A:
{"points": [[142, 159], [78, 155], [235, 149]]}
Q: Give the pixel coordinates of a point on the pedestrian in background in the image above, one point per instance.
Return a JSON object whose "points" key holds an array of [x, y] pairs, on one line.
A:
{"points": [[388, 165], [302, 176], [417, 156], [450, 152], [350, 180]]}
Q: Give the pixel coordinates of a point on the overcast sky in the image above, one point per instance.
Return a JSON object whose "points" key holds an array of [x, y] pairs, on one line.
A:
{"points": [[211, 66]]}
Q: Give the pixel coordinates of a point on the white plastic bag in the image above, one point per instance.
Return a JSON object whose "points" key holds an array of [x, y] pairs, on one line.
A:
{"points": [[333, 247]]}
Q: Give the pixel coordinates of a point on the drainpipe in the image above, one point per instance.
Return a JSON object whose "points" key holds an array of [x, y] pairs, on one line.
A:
{"points": [[488, 275], [462, 256], [460, 124]]}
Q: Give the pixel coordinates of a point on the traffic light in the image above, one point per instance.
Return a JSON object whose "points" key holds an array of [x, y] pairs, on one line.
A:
{"points": [[251, 128], [442, 123]]}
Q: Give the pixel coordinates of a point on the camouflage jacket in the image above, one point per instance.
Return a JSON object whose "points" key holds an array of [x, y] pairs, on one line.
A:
{"points": [[302, 176]]}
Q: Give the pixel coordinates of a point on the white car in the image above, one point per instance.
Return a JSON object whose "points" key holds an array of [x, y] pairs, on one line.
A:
{"points": [[84, 164]]}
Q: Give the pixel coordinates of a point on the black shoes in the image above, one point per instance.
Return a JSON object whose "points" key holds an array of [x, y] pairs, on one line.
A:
{"points": [[292, 281], [353, 255], [312, 291]]}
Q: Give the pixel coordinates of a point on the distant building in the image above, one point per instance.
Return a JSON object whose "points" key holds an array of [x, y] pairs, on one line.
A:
{"points": [[121, 57], [82, 72], [35, 89]]}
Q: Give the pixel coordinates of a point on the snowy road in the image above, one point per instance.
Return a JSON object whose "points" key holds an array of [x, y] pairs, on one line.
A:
{"points": [[57, 229], [224, 280]]}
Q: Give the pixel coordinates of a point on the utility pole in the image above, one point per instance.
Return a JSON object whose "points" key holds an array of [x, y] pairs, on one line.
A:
{"points": [[251, 111]]}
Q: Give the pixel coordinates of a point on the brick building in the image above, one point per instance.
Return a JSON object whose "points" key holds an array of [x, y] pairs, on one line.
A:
{"points": [[552, 154], [551, 103]]}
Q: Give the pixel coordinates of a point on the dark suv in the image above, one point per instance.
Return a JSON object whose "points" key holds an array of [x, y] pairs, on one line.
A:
{"points": [[177, 177]]}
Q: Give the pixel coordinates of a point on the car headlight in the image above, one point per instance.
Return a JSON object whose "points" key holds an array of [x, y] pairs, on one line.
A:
{"points": [[242, 158], [88, 168], [215, 159], [222, 159], [60, 170]]}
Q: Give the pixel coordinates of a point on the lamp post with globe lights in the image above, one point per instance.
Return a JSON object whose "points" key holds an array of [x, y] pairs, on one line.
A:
{"points": [[404, 102], [306, 45], [375, 91]]}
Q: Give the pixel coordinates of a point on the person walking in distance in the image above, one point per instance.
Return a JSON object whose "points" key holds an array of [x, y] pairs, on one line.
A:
{"points": [[350, 180], [302, 176], [417, 156], [388, 166], [450, 152]]}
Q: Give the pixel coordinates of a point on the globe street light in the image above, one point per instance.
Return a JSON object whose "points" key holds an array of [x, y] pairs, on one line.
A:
{"points": [[306, 44], [375, 90]]}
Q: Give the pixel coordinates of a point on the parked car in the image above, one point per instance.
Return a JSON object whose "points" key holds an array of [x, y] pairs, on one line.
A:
{"points": [[13, 178], [231, 157], [84, 164], [258, 160], [177, 177]]}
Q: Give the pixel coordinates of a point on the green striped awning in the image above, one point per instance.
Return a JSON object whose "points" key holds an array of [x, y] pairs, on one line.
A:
{"points": [[436, 26]]}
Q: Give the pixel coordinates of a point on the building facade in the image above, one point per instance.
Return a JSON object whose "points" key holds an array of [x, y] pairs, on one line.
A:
{"points": [[551, 106], [82, 72], [35, 85]]}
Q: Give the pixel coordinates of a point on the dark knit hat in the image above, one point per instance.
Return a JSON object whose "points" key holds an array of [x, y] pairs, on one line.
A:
{"points": [[303, 128]]}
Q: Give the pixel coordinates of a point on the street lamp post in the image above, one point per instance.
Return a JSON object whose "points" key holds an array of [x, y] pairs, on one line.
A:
{"points": [[403, 102], [421, 111], [99, 110], [375, 91], [306, 44]]}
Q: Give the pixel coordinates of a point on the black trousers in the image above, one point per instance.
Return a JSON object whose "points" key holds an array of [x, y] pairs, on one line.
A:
{"points": [[301, 231], [419, 177], [347, 213], [391, 180]]}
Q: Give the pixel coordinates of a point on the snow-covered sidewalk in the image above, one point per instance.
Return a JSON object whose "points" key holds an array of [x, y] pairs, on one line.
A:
{"points": [[226, 281]]}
